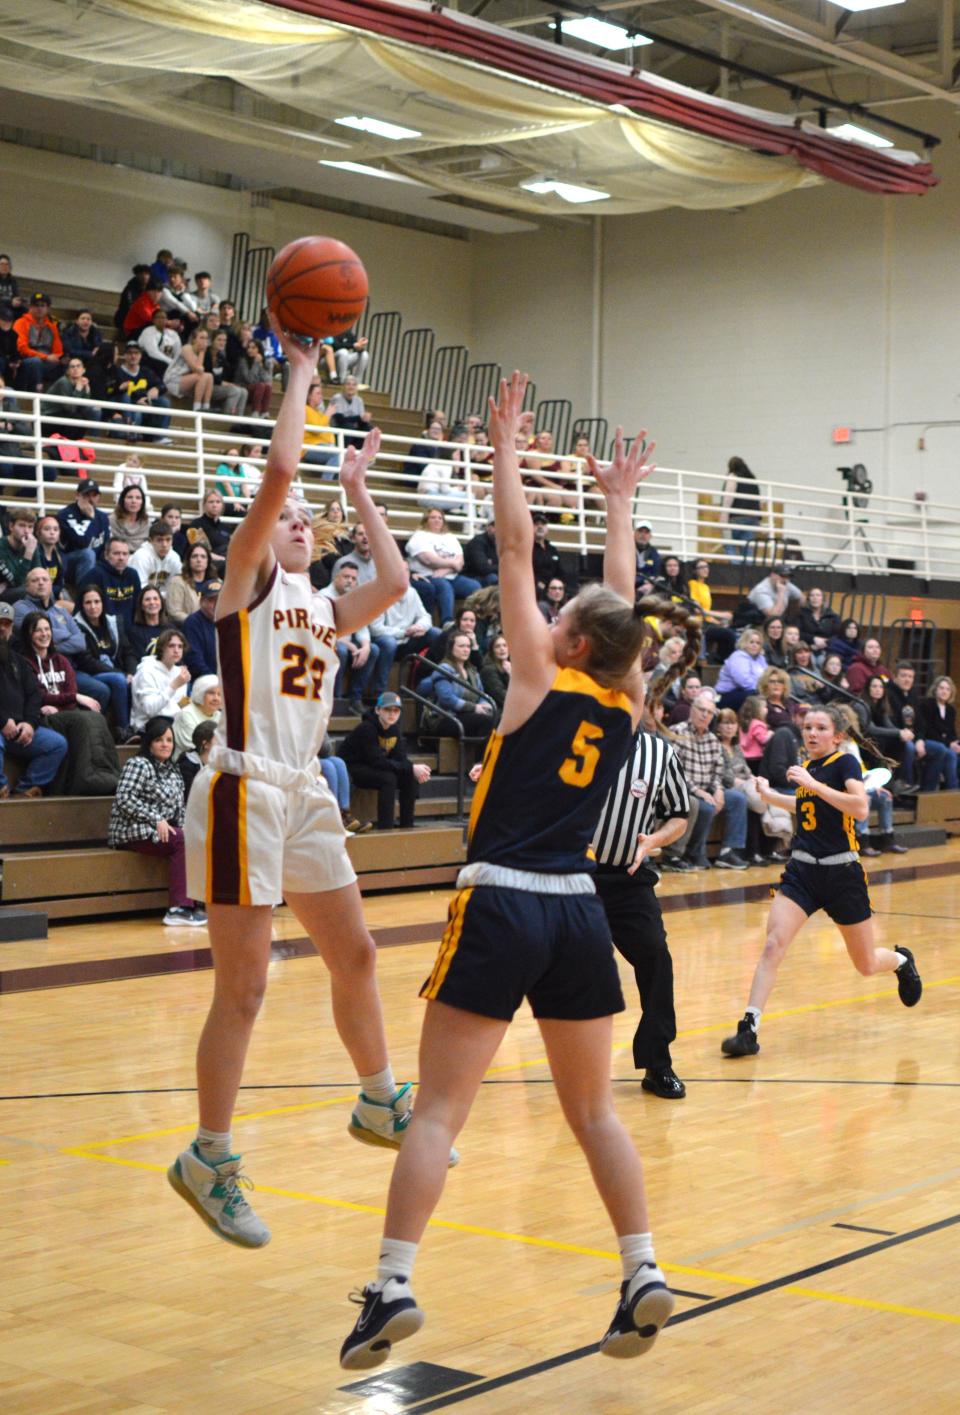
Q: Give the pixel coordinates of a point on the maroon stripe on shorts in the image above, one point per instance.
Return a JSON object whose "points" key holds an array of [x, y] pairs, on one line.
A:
{"points": [[225, 845], [230, 641]]}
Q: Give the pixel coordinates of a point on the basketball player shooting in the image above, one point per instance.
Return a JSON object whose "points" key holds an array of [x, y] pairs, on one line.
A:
{"points": [[263, 825]]}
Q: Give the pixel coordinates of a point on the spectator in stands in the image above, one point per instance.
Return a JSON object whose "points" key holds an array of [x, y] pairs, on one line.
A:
{"points": [[273, 356], [738, 775], [774, 649], [129, 520], [648, 556], [17, 548], [228, 396], [463, 622], [495, 672], [400, 631], [690, 689], [554, 598], [435, 556], [251, 375], [117, 581], [669, 654], [357, 652], [231, 325], [82, 339], [38, 345], [739, 508], [107, 645], [203, 296], [350, 355], [201, 637], [359, 555], [322, 569], [718, 637], [904, 703], [774, 686], [541, 468], [703, 762], [133, 289], [337, 777], [60, 688], [48, 555], [22, 734], [791, 637], [834, 678], [187, 376], [347, 410], [895, 742], [937, 722], [141, 312], [184, 590], [205, 703], [159, 343], [817, 624], [804, 687], [10, 286], [376, 757], [456, 687], [147, 815], [83, 531], [481, 559], [754, 730], [190, 762], [741, 673], [441, 482], [74, 384], [846, 643], [67, 638], [425, 449], [156, 562], [149, 622], [178, 304], [865, 665], [672, 578], [776, 593], [130, 472], [213, 529], [237, 477], [172, 517], [159, 683], [162, 267], [9, 351], [319, 443], [546, 557]]}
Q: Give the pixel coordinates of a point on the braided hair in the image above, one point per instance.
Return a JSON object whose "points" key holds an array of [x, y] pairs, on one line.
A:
{"points": [[668, 610], [846, 722]]}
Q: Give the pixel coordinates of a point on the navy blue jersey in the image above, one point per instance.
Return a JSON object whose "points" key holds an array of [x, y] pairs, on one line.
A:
{"points": [[821, 829], [543, 786]]}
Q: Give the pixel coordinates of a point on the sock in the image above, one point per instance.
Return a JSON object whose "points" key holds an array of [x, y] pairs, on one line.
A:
{"points": [[396, 1259], [902, 957], [197, 407], [213, 1145], [381, 1086], [635, 1248], [754, 1014]]}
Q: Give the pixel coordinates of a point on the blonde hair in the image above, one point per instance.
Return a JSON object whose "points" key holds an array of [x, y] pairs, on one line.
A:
{"points": [[748, 634], [774, 675], [324, 536], [943, 678]]}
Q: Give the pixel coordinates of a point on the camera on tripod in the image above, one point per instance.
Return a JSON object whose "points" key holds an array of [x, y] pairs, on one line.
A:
{"points": [[858, 483]]}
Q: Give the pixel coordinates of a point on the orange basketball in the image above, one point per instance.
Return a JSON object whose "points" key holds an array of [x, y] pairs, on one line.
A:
{"points": [[317, 286]]}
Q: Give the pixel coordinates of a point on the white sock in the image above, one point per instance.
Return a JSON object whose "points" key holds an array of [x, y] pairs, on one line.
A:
{"points": [[635, 1248], [901, 956], [754, 1014], [396, 1259], [197, 407], [213, 1145], [381, 1086]]}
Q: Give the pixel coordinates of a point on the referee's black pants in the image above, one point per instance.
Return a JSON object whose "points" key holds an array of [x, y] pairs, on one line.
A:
{"points": [[636, 926]]}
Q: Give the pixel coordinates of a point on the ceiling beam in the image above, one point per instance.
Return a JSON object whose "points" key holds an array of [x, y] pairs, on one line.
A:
{"points": [[945, 23]]}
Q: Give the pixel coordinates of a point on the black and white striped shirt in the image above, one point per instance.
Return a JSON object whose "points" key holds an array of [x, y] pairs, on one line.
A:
{"points": [[650, 787]]}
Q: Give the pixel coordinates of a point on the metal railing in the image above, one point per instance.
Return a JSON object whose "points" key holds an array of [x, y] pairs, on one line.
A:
{"points": [[683, 505]]}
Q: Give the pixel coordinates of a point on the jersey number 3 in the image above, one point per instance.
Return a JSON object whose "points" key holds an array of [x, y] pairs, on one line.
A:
{"points": [[293, 679], [578, 769], [808, 813]]}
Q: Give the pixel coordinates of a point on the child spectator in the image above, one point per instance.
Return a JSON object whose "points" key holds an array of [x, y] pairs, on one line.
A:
{"points": [[754, 732], [189, 763], [159, 682], [376, 757]]}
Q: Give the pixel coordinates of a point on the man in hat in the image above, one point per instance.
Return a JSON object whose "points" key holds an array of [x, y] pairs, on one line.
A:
{"points": [[775, 593], [546, 556], [83, 532], [376, 757], [141, 388], [38, 345], [22, 735], [648, 556], [200, 634]]}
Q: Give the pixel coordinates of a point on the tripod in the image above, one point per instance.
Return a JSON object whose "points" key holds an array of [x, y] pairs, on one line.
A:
{"points": [[857, 535]]}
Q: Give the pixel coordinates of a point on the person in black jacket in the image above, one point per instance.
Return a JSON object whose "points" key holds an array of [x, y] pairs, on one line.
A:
{"points": [[937, 722], [546, 557], [375, 756], [217, 533], [107, 642], [894, 741], [904, 703], [21, 732], [817, 624], [481, 559]]}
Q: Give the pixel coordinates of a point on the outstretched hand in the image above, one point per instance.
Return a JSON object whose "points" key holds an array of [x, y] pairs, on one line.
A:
{"points": [[298, 351], [505, 414], [623, 475], [353, 469]]}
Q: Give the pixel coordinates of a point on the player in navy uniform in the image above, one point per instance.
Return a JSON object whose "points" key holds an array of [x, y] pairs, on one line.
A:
{"points": [[526, 921], [824, 872]]}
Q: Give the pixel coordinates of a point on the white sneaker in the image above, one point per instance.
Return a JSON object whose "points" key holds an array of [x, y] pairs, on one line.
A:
{"points": [[215, 1192], [385, 1122], [185, 918]]}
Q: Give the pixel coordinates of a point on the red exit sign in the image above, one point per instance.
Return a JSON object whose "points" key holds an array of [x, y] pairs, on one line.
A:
{"points": [[841, 434]]}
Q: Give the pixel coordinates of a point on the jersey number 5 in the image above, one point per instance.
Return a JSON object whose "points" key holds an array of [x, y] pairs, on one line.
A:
{"points": [[293, 679], [808, 812], [578, 769]]}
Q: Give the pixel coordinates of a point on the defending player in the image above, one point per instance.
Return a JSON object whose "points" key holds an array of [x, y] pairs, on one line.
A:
{"points": [[262, 824], [824, 872], [526, 920]]}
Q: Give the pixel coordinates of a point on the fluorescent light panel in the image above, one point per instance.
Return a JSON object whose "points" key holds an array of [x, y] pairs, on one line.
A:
{"points": [[865, 4], [365, 171], [566, 191], [394, 131], [607, 36], [857, 134]]}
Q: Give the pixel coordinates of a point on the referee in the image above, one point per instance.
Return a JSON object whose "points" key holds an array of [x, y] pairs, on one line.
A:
{"points": [[650, 787]]}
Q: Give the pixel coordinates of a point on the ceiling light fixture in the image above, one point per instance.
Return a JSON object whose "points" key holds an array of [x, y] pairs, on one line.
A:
{"points": [[856, 134], [607, 36], [865, 4], [566, 191], [394, 131], [365, 171]]}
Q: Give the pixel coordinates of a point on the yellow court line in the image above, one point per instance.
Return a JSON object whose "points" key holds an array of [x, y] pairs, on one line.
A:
{"points": [[874, 1306], [248, 1115]]}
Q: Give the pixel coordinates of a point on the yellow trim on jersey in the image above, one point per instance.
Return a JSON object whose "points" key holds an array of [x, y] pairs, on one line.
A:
{"points": [[244, 891], [244, 620], [448, 944], [494, 743], [209, 841], [571, 680], [850, 826]]}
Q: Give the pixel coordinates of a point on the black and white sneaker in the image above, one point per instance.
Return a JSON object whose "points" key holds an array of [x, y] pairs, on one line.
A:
{"points": [[745, 1042], [729, 860], [645, 1305], [909, 985], [390, 1313]]}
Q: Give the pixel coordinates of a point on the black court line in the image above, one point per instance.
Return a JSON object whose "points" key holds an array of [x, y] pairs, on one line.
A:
{"points": [[700, 1296], [717, 1304], [859, 1228]]}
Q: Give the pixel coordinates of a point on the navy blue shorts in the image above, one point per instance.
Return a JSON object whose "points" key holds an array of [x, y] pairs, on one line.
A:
{"points": [[502, 945], [839, 890]]}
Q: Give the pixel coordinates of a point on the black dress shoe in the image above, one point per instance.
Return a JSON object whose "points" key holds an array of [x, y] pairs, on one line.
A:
{"points": [[663, 1081]]}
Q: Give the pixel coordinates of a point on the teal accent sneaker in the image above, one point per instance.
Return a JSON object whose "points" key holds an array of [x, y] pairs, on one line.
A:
{"points": [[385, 1122], [215, 1192]]}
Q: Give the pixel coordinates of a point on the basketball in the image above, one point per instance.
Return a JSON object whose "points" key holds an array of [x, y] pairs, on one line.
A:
{"points": [[317, 286]]}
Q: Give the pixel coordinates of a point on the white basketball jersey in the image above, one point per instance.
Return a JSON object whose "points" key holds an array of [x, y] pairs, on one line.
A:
{"points": [[278, 664]]}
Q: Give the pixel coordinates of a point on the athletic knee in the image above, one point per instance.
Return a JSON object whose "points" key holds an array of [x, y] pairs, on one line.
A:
{"points": [[243, 997], [589, 1120], [352, 955], [867, 965], [775, 947]]}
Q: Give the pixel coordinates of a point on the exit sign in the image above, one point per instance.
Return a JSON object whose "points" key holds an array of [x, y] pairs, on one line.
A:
{"points": [[841, 434]]}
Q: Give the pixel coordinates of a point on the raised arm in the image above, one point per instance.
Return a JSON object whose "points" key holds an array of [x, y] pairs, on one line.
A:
{"points": [[618, 481], [361, 606]]}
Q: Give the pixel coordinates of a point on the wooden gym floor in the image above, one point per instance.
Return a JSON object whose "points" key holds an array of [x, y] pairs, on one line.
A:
{"points": [[805, 1203]]}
